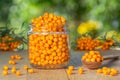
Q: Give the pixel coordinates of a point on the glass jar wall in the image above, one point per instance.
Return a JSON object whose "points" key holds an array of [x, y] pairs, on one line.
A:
{"points": [[48, 44]]}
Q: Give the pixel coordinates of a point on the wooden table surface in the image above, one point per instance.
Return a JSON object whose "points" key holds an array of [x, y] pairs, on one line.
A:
{"points": [[58, 74]]}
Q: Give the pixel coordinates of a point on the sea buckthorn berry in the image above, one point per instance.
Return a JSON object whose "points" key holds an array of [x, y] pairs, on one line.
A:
{"points": [[86, 54], [11, 62], [12, 57], [18, 73], [98, 60], [104, 68], [107, 44], [80, 70], [31, 71], [70, 67], [14, 67], [105, 73], [99, 71], [13, 71], [5, 67], [92, 56], [84, 58], [114, 70], [69, 72], [6, 45], [18, 57], [87, 43], [112, 74], [25, 67], [92, 52], [108, 71], [4, 73], [93, 60], [88, 60]]}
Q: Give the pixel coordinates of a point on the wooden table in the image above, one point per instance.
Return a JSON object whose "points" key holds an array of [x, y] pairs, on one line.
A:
{"points": [[58, 74]]}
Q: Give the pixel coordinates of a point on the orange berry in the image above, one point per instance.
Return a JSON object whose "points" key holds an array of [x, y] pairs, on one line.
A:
{"points": [[18, 73], [104, 68], [92, 60], [31, 71], [97, 52], [99, 71], [17, 57], [13, 71], [11, 62], [105, 73], [114, 70], [14, 67], [94, 56], [12, 57], [88, 60], [4, 73], [69, 72], [70, 67], [80, 70], [5, 68], [86, 54], [98, 60], [25, 67], [92, 53], [83, 58], [112, 74]]}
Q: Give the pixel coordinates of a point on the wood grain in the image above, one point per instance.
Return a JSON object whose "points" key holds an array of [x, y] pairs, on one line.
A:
{"points": [[48, 75], [59, 74], [91, 74]]}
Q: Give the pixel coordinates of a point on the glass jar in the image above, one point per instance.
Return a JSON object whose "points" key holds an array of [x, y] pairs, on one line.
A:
{"points": [[48, 49]]}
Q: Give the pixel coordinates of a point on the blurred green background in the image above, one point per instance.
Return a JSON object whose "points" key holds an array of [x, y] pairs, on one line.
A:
{"points": [[18, 13]]}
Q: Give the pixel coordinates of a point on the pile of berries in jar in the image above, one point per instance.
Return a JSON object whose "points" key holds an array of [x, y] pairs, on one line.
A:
{"points": [[48, 42]]}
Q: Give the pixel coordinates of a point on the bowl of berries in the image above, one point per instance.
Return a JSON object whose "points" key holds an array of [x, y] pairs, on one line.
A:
{"points": [[92, 59]]}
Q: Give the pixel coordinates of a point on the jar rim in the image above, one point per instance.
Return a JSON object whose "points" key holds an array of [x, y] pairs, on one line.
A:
{"points": [[44, 29], [30, 32]]}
